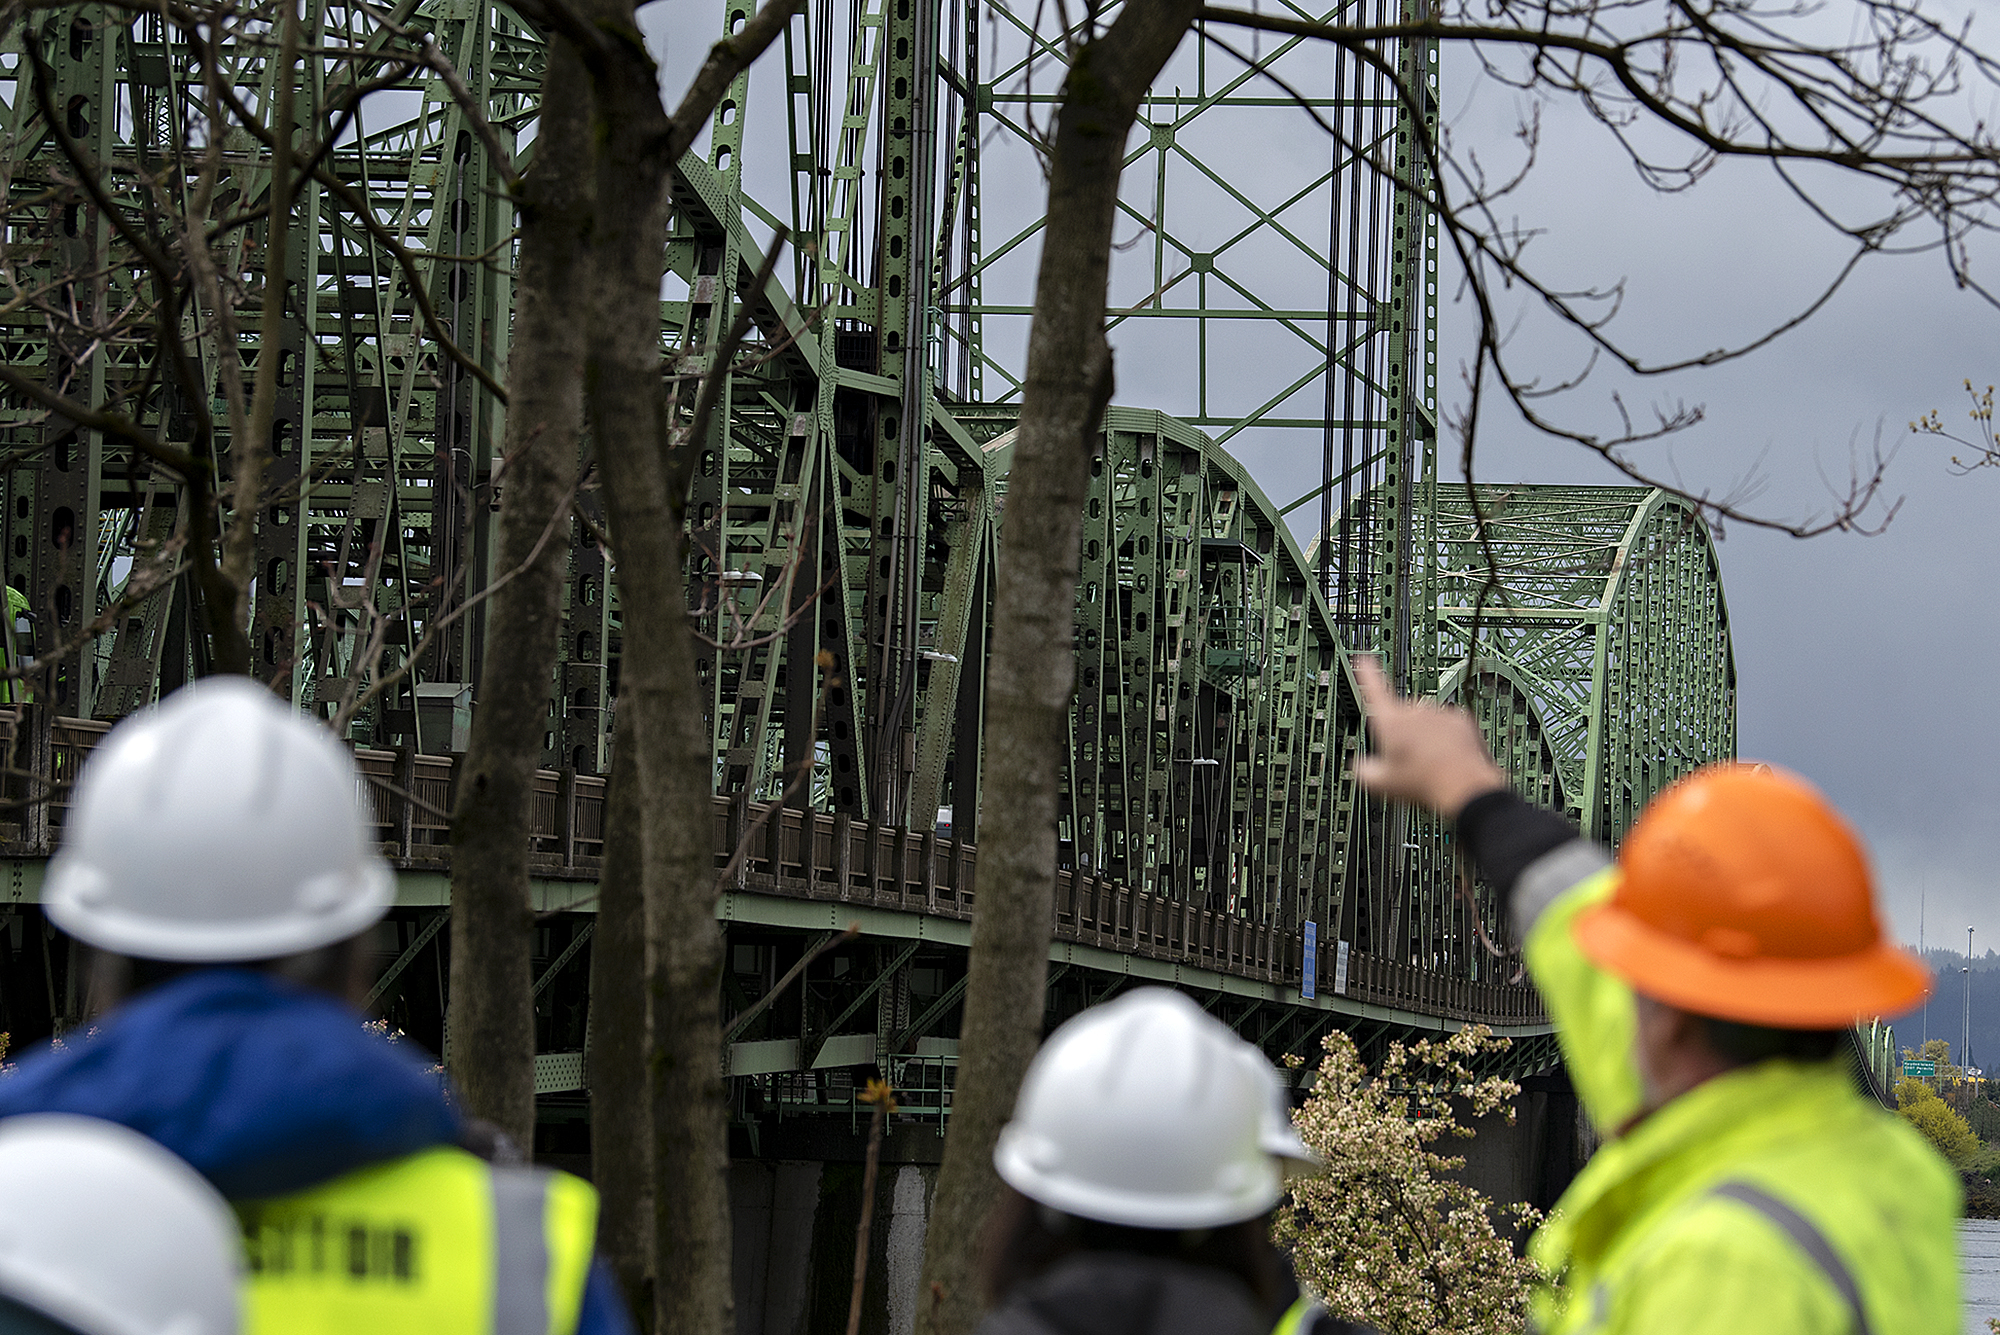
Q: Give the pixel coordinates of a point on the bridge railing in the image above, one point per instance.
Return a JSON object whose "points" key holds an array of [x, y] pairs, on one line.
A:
{"points": [[799, 855], [412, 794], [409, 793], [849, 861]]}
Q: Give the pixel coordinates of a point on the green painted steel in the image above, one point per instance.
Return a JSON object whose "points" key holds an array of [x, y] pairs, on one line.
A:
{"points": [[1607, 604], [849, 507], [382, 447]]}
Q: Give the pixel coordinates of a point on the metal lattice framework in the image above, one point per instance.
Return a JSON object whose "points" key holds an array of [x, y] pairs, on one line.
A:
{"points": [[1607, 604], [381, 446], [850, 503]]}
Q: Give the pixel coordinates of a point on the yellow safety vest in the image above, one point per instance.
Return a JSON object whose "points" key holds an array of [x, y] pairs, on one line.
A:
{"points": [[1299, 1318], [13, 690], [1772, 1199], [438, 1243]]}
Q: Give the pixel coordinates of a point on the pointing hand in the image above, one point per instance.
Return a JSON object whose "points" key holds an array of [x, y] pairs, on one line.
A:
{"points": [[1424, 753]]}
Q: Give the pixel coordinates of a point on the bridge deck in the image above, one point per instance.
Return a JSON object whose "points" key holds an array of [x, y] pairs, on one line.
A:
{"points": [[851, 863], [798, 873]]}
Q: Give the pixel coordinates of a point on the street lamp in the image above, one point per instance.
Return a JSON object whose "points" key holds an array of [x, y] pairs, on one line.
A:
{"points": [[1965, 1042]]}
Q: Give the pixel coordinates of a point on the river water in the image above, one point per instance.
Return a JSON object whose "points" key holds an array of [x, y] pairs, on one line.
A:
{"points": [[1979, 1261]]}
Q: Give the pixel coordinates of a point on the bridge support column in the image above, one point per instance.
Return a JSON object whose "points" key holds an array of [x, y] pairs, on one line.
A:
{"points": [[1534, 1158], [794, 1241]]}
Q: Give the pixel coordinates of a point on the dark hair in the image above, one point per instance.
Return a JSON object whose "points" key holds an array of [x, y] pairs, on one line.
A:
{"points": [[1747, 1044], [17, 1318], [1025, 1239], [329, 968]]}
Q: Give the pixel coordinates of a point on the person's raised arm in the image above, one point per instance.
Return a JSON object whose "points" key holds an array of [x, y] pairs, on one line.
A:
{"points": [[1434, 756]]}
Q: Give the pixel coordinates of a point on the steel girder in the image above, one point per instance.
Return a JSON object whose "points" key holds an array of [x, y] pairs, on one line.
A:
{"points": [[848, 510], [382, 448], [1216, 723], [1606, 604]]}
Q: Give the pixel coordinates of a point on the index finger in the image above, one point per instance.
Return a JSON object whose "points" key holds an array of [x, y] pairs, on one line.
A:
{"points": [[1377, 695]]}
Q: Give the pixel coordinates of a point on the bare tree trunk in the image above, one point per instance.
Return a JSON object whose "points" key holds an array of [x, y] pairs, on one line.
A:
{"points": [[1031, 676], [692, 1290], [661, 694], [491, 1007], [621, 1119], [646, 470], [250, 452]]}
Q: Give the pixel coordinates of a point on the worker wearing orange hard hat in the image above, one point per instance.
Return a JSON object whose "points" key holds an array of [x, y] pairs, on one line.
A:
{"points": [[1702, 987]]}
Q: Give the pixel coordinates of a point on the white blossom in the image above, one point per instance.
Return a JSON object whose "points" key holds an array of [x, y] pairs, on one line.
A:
{"points": [[1384, 1231]]}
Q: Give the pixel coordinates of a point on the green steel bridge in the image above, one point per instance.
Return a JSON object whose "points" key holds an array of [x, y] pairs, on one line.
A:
{"points": [[851, 502]]}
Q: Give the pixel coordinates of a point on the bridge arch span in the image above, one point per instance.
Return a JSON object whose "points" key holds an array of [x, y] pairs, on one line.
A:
{"points": [[1606, 604]]}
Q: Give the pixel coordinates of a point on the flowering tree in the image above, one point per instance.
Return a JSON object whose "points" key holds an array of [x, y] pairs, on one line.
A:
{"points": [[1384, 1232]]}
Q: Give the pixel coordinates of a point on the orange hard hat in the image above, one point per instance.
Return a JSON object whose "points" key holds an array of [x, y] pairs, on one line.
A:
{"points": [[1743, 895]]}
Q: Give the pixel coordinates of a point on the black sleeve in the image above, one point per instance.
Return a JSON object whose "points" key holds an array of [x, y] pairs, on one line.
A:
{"points": [[1503, 834]]}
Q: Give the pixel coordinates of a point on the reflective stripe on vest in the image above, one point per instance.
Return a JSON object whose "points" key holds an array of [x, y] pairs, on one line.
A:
{"points": [[439, 1243], [1809, 1240]]}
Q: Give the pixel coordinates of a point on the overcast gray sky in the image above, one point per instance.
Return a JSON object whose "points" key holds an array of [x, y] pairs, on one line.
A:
{"points": [[1863, 663]]}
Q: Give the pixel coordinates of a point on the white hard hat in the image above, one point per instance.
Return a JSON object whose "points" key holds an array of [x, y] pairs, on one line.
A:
{"points": [[109, 1234], [1147, 1112], [1278, 1136], [220, 826]]}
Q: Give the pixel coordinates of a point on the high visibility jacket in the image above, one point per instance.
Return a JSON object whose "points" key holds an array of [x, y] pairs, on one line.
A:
{"points": [[1300, 1318], [1307, 1317], [438, 1243], [1773, 1198]]}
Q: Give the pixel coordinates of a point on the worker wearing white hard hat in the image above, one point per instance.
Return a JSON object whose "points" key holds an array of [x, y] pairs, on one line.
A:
{"points": [[102, 1232], [1147, 1149], [218, 860]]}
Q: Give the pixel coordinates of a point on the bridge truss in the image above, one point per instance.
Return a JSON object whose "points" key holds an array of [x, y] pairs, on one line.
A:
{"points": [[851, 502]]}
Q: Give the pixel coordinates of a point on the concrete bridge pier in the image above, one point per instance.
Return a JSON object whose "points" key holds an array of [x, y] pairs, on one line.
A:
{"points": [[1534, 1158], [795, 1225]]}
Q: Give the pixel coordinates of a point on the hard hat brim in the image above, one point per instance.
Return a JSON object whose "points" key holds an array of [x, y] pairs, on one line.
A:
{"points": [[1782, 993], [367, 892], [1255, 1195], [1289, 1149]]}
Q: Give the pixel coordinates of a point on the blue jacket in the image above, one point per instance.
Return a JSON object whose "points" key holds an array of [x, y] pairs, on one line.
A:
{"points": [[265, 1087]]}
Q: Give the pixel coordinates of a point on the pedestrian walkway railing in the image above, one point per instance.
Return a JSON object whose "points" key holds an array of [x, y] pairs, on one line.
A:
{"points": [[849, 861], [799, 854]]}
